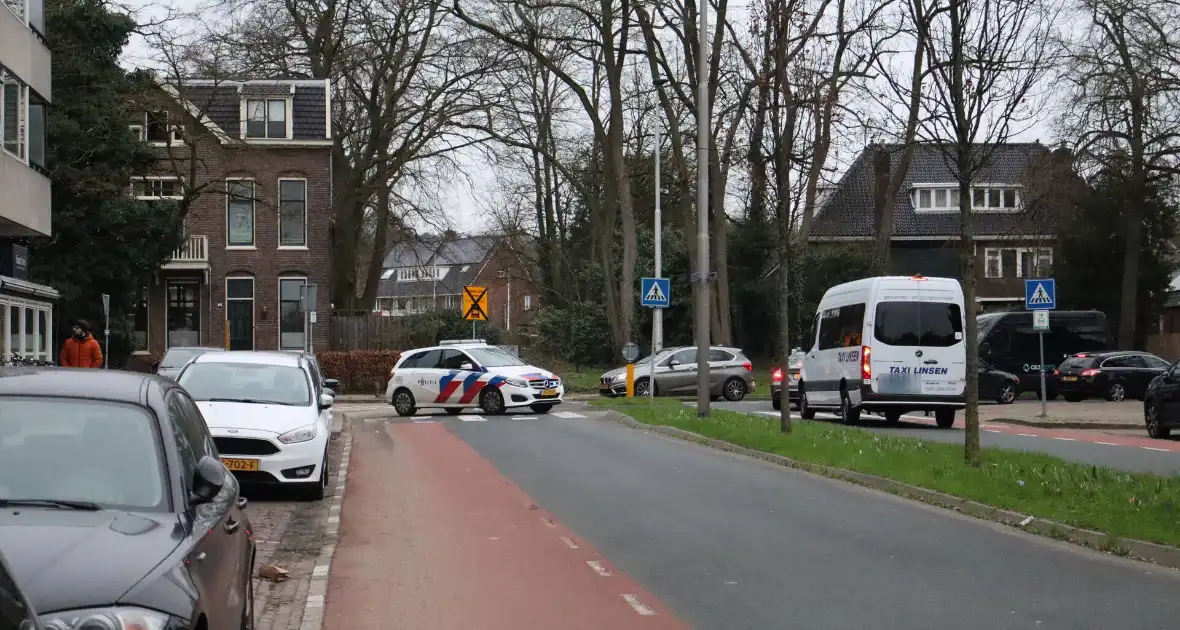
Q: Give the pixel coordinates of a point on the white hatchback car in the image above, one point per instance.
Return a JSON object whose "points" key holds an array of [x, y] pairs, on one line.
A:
{"points": [[465, 374], [269, 418]]}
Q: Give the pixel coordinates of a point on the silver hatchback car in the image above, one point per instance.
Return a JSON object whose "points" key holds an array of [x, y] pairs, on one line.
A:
{"points": [[731, 374]]}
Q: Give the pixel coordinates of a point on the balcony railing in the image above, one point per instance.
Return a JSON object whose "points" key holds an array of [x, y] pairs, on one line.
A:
{"points": [[194, 254]]}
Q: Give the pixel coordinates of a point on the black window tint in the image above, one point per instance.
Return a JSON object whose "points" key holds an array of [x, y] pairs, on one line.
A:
{"points": [[1155, 362], [453, 360], [14, 612], [411, 360], [1077, 363], [829, 329], [198, 428], [811, 332], [719, 355], [187, 451], [841, 327], [932, 324], [430, 360]]}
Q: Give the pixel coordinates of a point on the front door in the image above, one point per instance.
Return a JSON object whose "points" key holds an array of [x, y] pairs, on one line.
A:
{"points": [[184, 313], [239, 312]]}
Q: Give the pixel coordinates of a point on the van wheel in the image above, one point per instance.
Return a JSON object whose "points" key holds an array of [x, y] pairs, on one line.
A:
{"points": [[944, 418], [403, 402], [805, 410], [734, 389], [850, 415]]}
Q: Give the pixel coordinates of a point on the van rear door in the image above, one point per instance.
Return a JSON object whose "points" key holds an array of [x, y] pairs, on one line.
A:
{"points": [[918, 345]]}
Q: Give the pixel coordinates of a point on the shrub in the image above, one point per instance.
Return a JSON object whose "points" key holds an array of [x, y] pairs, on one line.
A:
{"points": [[359, 371]]}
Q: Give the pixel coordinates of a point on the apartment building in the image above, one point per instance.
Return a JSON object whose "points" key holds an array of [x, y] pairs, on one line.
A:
{"points": [[254, 156], [26, 308]]}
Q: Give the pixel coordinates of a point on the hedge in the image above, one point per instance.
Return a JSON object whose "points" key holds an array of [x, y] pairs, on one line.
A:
{"points": [[359, 371]]}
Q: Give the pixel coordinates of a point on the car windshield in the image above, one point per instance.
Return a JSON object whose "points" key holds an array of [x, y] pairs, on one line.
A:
{"points": [[86, 451], [493, 357], [177, 357], [247, 382]]}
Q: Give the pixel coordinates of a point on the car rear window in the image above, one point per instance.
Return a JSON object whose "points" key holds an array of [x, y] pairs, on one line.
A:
{"points": [[177, 357], [936, 324], [1077, 362]]}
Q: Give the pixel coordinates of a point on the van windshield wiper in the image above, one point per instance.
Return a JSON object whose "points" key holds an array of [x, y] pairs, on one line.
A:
{"points": [[88, 506]]}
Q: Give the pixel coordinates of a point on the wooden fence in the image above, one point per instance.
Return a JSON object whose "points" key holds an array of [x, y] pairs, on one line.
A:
{"points": [[1165, 345], [368, 332]]}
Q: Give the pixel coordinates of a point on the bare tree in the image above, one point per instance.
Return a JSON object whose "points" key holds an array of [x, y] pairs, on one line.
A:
{"points": [[1123, 110], [986, 57]]}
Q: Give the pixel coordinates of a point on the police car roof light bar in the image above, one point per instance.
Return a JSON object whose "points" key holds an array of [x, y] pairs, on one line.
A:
{"points": [[455, 342]]}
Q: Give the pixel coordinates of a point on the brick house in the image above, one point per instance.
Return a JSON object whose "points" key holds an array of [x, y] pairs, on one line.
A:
{"points": [[254, 156], [1017, 203], [429, 272]]}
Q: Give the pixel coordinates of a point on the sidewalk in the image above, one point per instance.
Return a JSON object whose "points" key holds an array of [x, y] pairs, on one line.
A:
{"points": [[1088, 414]]}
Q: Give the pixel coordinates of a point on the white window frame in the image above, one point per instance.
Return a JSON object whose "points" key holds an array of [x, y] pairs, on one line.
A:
{"points": [[23, 105], [145, 295], [157, 178], [253, 213], [22, 306], [279, 311], [289, 110], [952, 189], [279, 195], [1038, 253], [997, 254], [528, 302], [174, 137], [253, 305]]}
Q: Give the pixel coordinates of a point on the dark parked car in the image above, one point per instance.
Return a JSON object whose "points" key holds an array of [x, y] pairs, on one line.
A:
{"points": [[998, 385], [1110, 375], [176, 358], [1161, 403], [794, 365], [115, 510], [16, 613]]}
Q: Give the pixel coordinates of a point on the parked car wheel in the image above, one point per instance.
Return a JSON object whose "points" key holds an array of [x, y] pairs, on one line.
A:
{"points": [[1116, 393], [403, 402], [1007, 393], [1155, 428], [944, 418], [316, 490], [734, 389], [777, 403], [641, 385]]}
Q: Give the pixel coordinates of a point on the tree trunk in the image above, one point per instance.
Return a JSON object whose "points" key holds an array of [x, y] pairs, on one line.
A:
{"points": [[1133, 222], [377, 258]]}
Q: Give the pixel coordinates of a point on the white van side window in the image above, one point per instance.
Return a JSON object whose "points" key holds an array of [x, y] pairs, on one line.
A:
{"points": [[841, 327]]}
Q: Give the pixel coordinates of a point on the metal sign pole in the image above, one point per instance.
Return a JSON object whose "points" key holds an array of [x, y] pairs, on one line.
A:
{"points": [[1044, 396], [106, 339]]}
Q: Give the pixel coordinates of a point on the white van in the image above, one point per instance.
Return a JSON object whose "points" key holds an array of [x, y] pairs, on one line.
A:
{"points": [[888, 345]]}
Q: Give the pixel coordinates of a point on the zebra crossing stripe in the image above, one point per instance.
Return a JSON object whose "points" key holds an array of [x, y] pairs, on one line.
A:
{"points": [[524, 417], [566, 414], [474, 418]]}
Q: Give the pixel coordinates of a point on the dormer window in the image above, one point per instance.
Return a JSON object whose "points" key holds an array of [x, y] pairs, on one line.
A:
{"points": [[268, 118], [984, 198], [157, 129]]}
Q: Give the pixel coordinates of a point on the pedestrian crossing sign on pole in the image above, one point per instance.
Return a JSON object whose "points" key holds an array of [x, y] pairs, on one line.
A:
{"points": [[655, 293], [1040, 294]]}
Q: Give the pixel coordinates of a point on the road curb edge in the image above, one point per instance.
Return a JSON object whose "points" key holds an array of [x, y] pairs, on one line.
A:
{"points": [[1162, 555], [1097, 426], [313, 608]]}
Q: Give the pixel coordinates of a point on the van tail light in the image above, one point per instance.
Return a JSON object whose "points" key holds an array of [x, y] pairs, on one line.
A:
{"points": [[1091, 372], [777, 375], [749, 366], [866, 368]]}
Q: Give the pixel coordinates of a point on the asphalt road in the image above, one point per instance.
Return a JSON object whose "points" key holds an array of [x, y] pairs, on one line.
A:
{"points": [[1121, 457], [731, 542]]}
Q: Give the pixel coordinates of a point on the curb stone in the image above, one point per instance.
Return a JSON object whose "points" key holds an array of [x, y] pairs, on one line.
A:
{"points": [[1162, 555], [1097, 426], [313, 609]]}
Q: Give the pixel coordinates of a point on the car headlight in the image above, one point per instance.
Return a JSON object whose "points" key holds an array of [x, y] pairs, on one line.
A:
{"points": [[516, 382], [302, 434], [116, 618]]}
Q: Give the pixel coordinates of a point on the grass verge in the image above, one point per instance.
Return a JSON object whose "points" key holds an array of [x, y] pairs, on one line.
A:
{"points": [[1121, 504]]}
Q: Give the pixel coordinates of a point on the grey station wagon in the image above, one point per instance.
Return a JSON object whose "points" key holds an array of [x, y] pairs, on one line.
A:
{"points": [[731, 374]]}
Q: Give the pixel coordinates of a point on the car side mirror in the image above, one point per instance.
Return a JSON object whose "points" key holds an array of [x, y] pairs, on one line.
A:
{"points": [[155, 367], [466, 366], [674, 363], [330, 392], [208, 480], [326, 400], [332, 384]]}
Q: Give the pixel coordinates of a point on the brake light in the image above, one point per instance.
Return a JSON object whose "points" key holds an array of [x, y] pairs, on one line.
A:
{"points": [[917, 276], [1081, 355], [777, 375], [1056, 372], [1091, 372], [749, 366], [866, 369]]}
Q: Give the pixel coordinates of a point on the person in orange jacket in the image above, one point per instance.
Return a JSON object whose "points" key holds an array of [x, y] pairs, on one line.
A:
{"points": [[82, 349]]}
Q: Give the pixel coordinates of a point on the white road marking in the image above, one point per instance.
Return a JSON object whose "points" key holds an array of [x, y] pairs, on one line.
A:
{"points": [[566, 414], [570, 543], [598, 568], [425, 421], [474, 418], [1026, 435], [638, 605], [1107, 443], [1065, 439], [1152, 448], [524, 417], [993, 430]]}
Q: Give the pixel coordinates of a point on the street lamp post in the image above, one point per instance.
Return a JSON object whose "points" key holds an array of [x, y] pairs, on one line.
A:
{"points": [[657, 315], [702, 296]]}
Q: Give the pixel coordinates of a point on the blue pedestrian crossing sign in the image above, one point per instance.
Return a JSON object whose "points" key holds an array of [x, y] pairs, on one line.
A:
{"points": [[655, 292], [1040, 294]]}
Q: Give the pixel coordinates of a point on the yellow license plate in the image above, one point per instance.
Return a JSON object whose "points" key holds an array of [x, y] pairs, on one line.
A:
{"points": [[1069, 378], [240, 464], [549, 392]]}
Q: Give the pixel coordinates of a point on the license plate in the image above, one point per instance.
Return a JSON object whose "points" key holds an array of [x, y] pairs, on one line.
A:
{"points": [[549, 392], [1069, 378], [240, 464]]}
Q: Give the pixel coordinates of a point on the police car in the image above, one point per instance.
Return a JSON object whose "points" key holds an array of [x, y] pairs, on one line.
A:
{"points": [[468, 373]]}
